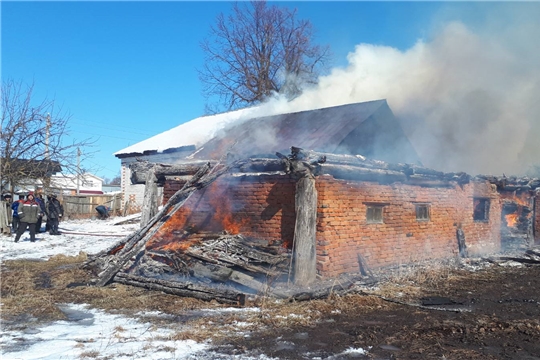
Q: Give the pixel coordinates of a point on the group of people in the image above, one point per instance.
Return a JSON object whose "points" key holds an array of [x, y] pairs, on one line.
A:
{"points": [[29, 213]]}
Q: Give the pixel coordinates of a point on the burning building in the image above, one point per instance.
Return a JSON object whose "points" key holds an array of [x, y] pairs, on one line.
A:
{"points": [[520, 205], [240, 214]]}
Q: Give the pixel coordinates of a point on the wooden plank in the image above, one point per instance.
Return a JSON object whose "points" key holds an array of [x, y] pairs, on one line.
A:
{"points": [[150, 201], [186, 289], [304, 252], [140, 169], [348, 172]]}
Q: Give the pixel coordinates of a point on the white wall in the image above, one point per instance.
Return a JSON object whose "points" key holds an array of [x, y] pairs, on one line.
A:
{"points": [[87, 182]]}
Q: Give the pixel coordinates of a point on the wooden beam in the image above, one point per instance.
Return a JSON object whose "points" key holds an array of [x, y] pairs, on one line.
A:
{"points": [[180, 288], [139, 170], [362, 174], [150, 202], [305, 229]]}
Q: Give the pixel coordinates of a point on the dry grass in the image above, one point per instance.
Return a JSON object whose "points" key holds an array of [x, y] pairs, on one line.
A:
{"points": [[34, 288], [89, 354], [410, 281]]}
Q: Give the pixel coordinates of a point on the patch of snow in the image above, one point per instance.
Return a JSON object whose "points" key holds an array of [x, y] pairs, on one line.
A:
{"points": [[96, 333], [231, 309], [510, 263], [358, 351], [90, 236]]}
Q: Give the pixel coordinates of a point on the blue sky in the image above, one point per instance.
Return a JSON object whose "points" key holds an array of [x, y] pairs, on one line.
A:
{"points": [[127, 70]]}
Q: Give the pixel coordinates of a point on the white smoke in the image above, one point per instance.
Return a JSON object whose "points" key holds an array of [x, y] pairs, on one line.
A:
{"points": [[469, 101]]}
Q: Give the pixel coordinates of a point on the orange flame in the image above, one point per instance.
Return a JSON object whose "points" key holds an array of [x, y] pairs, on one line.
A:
{"points": [[511, 220], [522, 199], [220, 199], [208, 210]]}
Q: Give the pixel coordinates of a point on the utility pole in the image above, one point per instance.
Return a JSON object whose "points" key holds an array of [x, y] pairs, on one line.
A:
{"points": [[78, 167], [47, 175], [47, 137]]}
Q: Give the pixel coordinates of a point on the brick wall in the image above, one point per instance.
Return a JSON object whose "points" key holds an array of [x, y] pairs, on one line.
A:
{"points": [[258, 206], [263, 207], [343, 231], [170, 188]]}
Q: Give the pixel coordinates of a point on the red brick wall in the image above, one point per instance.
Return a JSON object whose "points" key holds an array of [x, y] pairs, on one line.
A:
{"points": [[170, 188], [258, 206], [343, 232], [263, 207]]}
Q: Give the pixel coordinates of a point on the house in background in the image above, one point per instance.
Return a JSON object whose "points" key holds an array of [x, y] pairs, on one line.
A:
{"points": [[33, 170], [369, 129], [111, 188], [88, 184]]}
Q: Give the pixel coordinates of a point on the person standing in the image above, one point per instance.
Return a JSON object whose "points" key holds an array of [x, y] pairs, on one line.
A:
{"points": [[41, 202], [56, 211], [16, 222], [28, 213]]}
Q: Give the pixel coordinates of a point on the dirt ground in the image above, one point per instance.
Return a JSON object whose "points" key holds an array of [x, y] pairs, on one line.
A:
{"points": [[497, 316], [492, 312]]}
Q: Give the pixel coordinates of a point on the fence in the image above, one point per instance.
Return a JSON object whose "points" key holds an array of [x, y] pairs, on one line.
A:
{"points": [[84, 206], [5, 218]]}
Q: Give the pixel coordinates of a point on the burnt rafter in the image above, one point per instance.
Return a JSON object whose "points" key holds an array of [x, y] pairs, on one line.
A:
{"points": [[301, 163], [512, 183], [140, 169]]}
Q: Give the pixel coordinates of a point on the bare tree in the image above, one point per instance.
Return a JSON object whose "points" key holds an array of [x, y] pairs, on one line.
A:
{"points": [[259, 50], [117, 180], [33, 142]]}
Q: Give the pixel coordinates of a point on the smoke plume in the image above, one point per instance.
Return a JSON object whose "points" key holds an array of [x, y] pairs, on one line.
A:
{"points": [[468, 100]]}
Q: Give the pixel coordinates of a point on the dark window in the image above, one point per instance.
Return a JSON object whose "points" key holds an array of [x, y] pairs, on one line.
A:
{"points": [[374, 214], [481, 209], [422, 212]]}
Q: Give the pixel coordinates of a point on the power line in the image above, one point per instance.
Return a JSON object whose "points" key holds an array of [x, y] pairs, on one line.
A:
{"points": [[101, 166], [104, 135], [123, 129]]}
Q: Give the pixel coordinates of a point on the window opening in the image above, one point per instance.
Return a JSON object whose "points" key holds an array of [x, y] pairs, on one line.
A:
{"points": [[422, 212], [374, 214], [481, 209]]}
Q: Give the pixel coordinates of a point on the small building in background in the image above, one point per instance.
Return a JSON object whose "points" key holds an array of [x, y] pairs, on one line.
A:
{"points": [[67, 184]]}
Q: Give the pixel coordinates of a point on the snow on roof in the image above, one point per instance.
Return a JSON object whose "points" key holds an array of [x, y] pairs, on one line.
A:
{"points": [[194, 132], [74, 176]]}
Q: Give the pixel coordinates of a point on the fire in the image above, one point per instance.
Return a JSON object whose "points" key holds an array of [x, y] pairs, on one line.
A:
{"points": [[179, 246], [511, 220], [209, 210], [522, 199], [223, 217], [117, 249]]}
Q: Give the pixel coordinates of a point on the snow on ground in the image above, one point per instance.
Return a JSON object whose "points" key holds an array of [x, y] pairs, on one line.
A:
{"points": [[92, 333], [89, 236]]}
